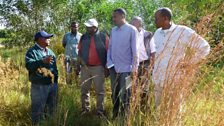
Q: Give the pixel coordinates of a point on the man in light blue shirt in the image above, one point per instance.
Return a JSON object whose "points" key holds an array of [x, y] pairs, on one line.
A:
{"points": [[122, 60], [70, 43]]}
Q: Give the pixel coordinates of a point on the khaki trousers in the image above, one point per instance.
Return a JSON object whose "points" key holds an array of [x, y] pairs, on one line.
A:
{"points": [[88, 75]]}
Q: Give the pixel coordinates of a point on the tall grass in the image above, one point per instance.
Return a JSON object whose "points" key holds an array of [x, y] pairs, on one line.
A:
{"points": [[192, 92], [194, 98], [203, 103]]}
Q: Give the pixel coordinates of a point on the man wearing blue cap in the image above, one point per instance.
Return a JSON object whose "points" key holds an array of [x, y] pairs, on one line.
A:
{"points": [[43, 74]]}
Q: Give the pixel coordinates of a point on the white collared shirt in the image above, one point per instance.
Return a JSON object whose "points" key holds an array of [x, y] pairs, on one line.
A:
{"points": [[171, 48], [141, 46], [45, 52]]}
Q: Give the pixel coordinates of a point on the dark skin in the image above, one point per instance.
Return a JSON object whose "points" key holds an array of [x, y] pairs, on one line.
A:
{"points": [[162, 21], [91, 30], [118, 19], [137, 24], [74, 30], [44, 42]]}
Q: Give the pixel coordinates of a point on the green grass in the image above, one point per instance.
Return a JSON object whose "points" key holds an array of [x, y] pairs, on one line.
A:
{"points": [[203, 107]]}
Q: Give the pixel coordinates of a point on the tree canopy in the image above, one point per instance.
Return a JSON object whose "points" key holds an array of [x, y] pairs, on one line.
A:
{"points": [[25, 17]]}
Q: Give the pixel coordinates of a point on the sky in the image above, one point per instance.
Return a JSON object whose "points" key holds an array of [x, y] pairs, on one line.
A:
{"points": [[2, 27], [1, 21]]}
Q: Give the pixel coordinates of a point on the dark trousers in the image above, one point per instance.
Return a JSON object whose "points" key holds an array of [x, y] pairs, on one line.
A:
{"points": [[143, 81], [120, 95], [143, 68], [43, 97]]}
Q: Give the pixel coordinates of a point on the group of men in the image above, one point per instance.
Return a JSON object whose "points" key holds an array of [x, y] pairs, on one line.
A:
{"points": [[129, 51]]}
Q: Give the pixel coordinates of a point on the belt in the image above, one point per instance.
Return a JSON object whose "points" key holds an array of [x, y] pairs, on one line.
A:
{"points": [[92, 65], [144, 61]]}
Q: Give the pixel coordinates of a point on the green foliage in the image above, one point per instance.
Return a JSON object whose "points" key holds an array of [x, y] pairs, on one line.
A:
{"points": [[3, 33], [24, 18], [56, 46]]}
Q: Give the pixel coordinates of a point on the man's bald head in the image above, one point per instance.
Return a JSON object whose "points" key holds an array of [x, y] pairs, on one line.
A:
{"points": [[165, 12], [163, 17], [137, 22]]}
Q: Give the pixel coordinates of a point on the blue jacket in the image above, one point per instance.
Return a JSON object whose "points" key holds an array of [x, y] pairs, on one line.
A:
{"points": [[34, 60]]}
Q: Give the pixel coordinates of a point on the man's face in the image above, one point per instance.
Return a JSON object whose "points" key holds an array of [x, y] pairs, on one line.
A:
{"points": [[74, 28], [136, 23], [117, 18], [159, 20], [91, 30], [45, 41]]}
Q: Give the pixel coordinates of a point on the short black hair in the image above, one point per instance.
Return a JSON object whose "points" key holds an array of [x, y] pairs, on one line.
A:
{"points": [[121, 11], [165, 12], [74, 22]]}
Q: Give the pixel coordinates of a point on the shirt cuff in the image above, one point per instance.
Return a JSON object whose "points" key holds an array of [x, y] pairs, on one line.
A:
{"points": [[110, 66]]}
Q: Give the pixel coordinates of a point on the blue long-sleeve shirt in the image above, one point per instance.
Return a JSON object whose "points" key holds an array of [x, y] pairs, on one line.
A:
{"points": [[123, 52]]}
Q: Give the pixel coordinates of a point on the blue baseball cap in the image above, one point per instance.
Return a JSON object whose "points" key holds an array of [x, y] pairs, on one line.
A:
{"points": [[42, 34]]}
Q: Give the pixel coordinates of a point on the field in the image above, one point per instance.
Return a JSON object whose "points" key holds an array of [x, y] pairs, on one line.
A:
{"points": [[202, 89], [204, 105]]}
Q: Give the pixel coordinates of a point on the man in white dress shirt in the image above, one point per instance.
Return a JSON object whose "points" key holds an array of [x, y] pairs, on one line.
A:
{"points": [[177, 46], [146, 55]]}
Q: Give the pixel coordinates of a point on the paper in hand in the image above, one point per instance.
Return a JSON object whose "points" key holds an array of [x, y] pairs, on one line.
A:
{"points": [[128, 82]]}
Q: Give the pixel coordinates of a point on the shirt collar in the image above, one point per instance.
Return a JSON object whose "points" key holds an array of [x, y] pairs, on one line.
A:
{"points": [[121, 27], [96, 33], [77, 34], [41, 47], [172, 27], [142, 31]]}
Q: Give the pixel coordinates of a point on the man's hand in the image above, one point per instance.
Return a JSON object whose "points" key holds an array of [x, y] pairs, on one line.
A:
{"points": [[48, 60], [106, 72]]}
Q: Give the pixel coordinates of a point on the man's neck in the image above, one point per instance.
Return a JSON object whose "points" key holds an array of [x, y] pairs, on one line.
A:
{"points": [[93, 33], [167, 26], [74, 33], [139, 29], [42, 46], [122, 23]]}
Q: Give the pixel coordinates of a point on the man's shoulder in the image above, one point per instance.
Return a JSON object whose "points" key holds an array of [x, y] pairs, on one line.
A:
{"points": [[68, 33], [114, 28], [80, 34], [85, 34], [147, 33], [186, 29], [32, 49], [131, 27], [157, 33], [158, 30]]}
